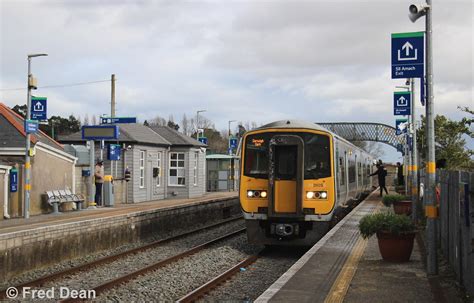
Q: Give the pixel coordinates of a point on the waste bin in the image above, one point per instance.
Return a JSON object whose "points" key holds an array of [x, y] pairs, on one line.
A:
{"points": [[108, 191]]}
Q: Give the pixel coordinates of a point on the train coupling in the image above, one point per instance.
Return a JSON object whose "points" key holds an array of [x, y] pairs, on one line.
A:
{"points": [[284, 230]]}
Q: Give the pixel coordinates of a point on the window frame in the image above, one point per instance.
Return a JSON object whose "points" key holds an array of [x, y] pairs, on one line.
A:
{"points": [[142, 169], [195, 168], [177, 168]]}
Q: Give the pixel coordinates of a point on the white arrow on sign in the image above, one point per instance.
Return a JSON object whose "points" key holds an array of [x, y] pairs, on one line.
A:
{"points": [[402, 101], [407, 46]]}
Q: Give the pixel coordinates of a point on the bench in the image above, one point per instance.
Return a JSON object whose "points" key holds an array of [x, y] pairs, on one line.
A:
{"points": [[56, 197]]}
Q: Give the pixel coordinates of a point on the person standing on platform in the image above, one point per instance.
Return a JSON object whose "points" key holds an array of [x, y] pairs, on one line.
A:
{"points": [[381, 174], [99, 181], [400, 177]]}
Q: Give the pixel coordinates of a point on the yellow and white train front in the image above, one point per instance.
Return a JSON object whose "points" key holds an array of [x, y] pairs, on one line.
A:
{"points": [[287, 188]]}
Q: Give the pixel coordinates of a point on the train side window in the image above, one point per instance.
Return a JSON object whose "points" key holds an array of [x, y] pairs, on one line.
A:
{"points": [[352, 172], [342, 179]]}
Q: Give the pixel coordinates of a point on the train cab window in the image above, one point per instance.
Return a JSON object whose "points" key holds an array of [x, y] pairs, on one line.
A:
{"points": [[256, 156], [317, 156]]}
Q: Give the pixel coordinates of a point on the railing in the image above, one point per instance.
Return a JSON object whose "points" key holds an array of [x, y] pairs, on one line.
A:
{"points": [[456, 223]]}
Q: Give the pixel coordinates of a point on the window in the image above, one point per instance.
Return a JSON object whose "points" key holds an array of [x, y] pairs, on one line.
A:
{"points": [[285, 164], [196, 155], [142, 169], [352, 172], [177, 170], [342, 180], [158, 166]]}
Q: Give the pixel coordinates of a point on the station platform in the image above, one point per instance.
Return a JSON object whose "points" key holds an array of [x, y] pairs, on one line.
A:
{"points": [[19, 224], [42, 240], [344, 267]]}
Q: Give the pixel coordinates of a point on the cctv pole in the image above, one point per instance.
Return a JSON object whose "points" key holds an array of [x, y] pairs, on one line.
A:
{"points": [[414, 162], [431, 210], [112, 97], [27, 150], [28, 137]]}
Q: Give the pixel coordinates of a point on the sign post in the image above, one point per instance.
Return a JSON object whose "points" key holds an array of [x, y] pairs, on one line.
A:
{"points": [[401, 103], [408, 55], [401, 126], [38, 108]]}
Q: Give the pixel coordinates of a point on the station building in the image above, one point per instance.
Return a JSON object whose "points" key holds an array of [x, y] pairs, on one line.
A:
{"points": [[51, 167], [163, 164]]}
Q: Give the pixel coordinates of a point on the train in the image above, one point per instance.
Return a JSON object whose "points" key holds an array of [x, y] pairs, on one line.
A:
{"points": [[295, 179]]}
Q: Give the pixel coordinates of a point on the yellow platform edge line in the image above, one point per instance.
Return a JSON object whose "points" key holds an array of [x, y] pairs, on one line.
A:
{"points": [[341, 285], [339, 289]]}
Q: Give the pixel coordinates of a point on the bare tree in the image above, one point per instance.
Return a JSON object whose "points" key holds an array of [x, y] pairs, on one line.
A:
{"points": [[186, 125], [157, 121], [94, 120], [373, 148], [86, 119]]}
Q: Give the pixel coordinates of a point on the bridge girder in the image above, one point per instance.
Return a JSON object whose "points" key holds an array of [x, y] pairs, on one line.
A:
{"points": [[365, 131]]}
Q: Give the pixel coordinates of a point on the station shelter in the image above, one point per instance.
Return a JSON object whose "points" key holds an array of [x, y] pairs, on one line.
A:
{"points": [[222, 172], [162, 162], [51, 167]]}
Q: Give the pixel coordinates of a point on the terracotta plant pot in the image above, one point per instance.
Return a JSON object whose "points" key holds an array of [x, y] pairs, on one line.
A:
{"points": [[395, 248], [402, 207]]}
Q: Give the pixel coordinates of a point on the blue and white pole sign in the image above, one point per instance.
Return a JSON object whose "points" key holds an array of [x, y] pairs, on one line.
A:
{"points": [[31, 126], [408, 55], [38, 108], [233, 142], [117, 120], [203, 140], [13, 180], [113, 152], [401, 126], [401, 103]]}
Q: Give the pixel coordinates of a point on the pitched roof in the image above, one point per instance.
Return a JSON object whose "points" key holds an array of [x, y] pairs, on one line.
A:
{"points": [[133, 133], [15, 121], [176, 138]]}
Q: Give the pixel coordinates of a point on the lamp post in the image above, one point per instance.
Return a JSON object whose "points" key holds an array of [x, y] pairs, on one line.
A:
{"points": [[197, 122], [431, 211], [31, 85], [230, 134]]}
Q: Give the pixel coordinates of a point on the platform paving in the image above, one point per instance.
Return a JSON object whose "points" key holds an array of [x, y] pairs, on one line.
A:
{"points": [[346, 268], [20, 224]]}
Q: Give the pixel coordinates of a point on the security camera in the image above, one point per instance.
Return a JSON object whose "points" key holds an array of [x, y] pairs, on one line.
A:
{"points": [[407, 82], [417, 11]]}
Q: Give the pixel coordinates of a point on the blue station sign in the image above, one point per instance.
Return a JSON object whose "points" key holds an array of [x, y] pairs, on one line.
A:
{"points": [[233, 143], [38, 108], [203, 140], [117, 120], [401, 103], [408, 55], [31, 126], [401, 126], [113, 152], [13, 180], [100, 132]]}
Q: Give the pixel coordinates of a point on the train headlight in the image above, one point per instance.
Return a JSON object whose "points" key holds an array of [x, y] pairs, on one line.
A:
{"points": [[324, 195], [310, 194], [263, 194], [250, 193]]}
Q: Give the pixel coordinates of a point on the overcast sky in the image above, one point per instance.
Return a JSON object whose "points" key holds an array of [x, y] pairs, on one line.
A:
{"points": [[239, 60]]}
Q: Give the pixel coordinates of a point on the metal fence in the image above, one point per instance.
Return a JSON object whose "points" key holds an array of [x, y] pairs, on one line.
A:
{"points": [[456, 223]]}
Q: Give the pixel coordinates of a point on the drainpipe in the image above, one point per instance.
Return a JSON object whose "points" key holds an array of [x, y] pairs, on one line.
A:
{"points": [[165, 174], [5, 193]]}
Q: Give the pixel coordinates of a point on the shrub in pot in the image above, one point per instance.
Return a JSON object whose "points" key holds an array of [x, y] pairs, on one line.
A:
{"points": [[401, 204], [395, 234]]}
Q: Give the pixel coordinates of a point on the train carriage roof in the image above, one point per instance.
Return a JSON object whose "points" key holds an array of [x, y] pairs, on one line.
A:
{"points": [[305, 125]]}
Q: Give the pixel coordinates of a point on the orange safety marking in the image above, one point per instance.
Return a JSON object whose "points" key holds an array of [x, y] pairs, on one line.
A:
{"points": [[431, 167], [27, 165], [28, 186], [431, 211]]}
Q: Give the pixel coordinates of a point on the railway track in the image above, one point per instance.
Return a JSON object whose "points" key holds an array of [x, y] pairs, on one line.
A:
{"points": [[108, 259], [215, 282]]}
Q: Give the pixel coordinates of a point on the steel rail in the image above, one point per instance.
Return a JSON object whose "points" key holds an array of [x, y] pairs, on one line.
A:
{"points": [[107, 259], [210, 285], [115, 282]]}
